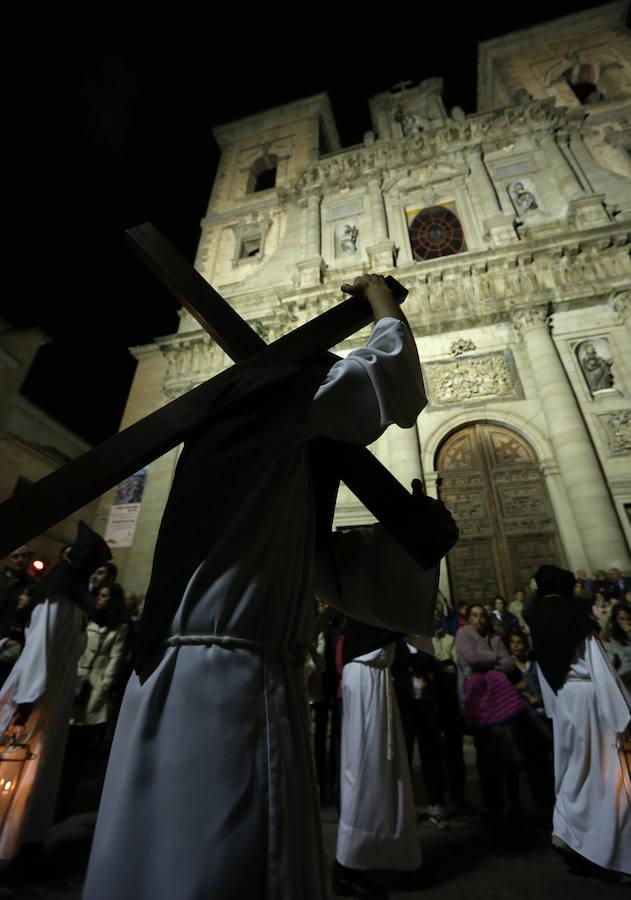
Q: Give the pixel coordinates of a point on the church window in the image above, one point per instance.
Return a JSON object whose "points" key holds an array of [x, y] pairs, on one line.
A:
{"points": [[435, 231], [583, 81], [263, 174], [250, 248]]}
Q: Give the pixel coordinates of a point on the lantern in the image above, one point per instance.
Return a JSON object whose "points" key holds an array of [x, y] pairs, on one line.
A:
{"points": [[13, 755]]}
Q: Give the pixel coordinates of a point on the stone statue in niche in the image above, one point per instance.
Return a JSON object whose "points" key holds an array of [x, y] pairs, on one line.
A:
{"points": [[522, 196], [346, 237], [410, 122], [596, 364]]}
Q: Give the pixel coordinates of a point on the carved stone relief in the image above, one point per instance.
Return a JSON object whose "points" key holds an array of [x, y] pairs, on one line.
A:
{"points": [[346, 237], [617, 427], [474, 378], [595, 361], [522, 195], [461, 346]]}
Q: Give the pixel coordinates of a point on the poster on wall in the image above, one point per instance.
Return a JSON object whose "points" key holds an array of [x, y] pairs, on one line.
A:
{"points": [[123, 517]]}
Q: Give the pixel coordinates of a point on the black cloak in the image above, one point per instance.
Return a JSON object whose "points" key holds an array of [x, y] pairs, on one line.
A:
{"points": [[559, 622], [249, 418], [361, 638]]}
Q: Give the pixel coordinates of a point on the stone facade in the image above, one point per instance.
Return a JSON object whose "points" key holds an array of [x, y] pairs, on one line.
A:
{"points": [[538, 184]]}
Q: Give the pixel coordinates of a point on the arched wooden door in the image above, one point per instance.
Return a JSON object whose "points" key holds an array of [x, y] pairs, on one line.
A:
{"points": [[490, 480]]}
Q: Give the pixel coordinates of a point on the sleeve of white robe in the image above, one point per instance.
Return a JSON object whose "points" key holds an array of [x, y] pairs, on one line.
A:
{"points": [[368, 575], [377, 385]]}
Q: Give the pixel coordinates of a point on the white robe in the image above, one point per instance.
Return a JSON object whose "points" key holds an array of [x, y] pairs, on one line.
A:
{"points": [[210, 789], [377, 828], [44, 674], [592, 813]]}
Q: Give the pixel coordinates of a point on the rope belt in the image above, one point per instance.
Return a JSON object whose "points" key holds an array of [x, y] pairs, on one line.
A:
{"points": [[296, 656]]}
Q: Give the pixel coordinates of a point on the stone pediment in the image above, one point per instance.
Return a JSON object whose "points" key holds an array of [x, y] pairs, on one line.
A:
{"points": [[431, 173]]}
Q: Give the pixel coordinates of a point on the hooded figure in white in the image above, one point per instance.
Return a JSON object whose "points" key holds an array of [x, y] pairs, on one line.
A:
{"points": [[591, 714]]}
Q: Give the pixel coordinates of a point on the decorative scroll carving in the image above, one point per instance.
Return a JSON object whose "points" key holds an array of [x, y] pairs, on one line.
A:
{"points": [[617, 426], [475, 378]]}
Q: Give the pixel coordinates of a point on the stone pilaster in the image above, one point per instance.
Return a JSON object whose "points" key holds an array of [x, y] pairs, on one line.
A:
{"points": [[498, 225], [594, 515], [381, 251], [311, 269]]}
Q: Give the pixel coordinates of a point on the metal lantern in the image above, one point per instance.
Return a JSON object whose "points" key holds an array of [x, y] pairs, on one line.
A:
{"points": [[13, 755]]}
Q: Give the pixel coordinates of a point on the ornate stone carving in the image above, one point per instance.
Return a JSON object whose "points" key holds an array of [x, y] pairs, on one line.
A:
{"points": [[461, 346], [346, 236], [621, 304], [530, 317], [617, 426], [522, 194], [475, 378], [494, 128], [593, 356]]}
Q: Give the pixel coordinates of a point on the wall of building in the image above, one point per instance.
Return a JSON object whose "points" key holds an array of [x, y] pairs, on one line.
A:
{"points": [[541, 189]]}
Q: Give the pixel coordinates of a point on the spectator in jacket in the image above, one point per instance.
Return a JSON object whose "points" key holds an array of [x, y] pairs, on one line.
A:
{"points": [[106, 635], [478, 651]]}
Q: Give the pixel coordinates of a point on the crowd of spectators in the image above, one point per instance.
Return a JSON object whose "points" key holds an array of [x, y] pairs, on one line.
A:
{"points": [[479, 680]]}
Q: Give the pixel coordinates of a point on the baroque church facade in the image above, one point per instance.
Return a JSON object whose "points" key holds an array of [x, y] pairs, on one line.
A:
{"points": [[511, 228]]}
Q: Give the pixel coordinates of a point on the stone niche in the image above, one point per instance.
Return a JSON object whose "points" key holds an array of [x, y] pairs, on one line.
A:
{"points": [[595, 361]]}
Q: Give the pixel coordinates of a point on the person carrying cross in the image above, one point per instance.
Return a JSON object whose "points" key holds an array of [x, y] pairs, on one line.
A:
{"points": [[210, 789]]}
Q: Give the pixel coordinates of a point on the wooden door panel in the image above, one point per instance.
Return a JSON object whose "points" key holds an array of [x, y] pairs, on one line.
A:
{"points": [[490, 479], [473, 568]]}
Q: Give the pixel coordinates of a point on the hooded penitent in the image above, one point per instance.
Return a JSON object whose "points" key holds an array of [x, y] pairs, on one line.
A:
{"points": [[559, 622], [69, 578]]}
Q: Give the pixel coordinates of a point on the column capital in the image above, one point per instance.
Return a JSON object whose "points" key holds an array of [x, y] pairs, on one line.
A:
{"points": [[530, 317]]}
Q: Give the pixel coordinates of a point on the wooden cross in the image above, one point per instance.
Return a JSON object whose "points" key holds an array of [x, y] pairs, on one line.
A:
{"points": [[48, 501]]}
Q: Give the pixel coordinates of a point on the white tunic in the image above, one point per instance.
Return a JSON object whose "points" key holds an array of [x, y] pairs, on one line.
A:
{"points": [[592, 813], [44, 674], [377, 828], [210, 789]]}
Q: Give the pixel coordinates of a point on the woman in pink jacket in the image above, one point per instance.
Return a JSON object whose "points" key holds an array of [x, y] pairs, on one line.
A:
{"points": [[491, 705]]}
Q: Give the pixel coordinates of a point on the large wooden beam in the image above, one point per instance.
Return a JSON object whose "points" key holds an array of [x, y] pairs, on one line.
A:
{"points": [[55, 497], [363, 474]]}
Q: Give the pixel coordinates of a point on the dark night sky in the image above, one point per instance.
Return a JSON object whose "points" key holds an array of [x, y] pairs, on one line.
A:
{"points": [[111, 126]]}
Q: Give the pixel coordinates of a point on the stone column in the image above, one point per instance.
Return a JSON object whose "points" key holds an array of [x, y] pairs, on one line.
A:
{"points": [[498, 224], [404, 455], [313, 225], [377, 210], [381, 251], [594, 515]]}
